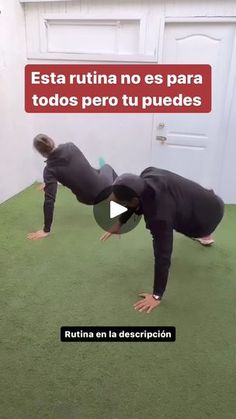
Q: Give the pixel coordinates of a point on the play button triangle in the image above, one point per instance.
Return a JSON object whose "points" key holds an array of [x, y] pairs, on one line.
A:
{"points": [[116, 209]]}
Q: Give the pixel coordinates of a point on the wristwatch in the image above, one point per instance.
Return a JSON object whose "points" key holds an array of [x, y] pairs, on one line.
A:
{"points": [[156, 297]]}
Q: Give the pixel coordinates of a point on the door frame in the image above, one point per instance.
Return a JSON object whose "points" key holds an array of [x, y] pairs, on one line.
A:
{"points": [[220, 153]]}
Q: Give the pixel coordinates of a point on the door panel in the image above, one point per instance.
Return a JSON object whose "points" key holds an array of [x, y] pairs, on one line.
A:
{"points": [[193, 140]]}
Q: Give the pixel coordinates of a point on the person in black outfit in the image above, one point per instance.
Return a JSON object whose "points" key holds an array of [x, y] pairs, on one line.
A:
{"points": [[168, 202], [67, 164]]}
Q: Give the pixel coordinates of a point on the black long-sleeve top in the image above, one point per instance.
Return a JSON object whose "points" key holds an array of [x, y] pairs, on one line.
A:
{"points": [[170, 202], [67, 165]]}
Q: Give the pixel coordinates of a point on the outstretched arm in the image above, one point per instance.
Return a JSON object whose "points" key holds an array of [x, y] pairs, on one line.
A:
{"points": [[162, 247], [50, 191]]}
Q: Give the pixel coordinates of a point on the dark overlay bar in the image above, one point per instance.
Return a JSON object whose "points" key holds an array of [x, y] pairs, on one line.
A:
{"points": [[118, 334]]}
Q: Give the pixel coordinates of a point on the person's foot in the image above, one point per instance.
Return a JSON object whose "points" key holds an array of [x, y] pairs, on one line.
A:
{"points": [[205, 241]]}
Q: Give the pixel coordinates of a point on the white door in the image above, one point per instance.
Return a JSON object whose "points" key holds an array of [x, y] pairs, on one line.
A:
{"points": [[194, 141]]}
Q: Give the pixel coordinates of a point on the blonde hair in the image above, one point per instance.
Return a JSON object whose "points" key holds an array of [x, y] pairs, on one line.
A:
{"points": [[43, 144]]}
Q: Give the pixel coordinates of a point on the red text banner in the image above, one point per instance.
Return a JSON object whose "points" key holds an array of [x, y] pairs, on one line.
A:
{"points": [[99, 88]]}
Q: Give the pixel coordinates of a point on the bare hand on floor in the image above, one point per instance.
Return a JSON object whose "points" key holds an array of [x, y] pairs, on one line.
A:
{"points": [[35, 235], [148, 303], [115, 229], [41, 187]]}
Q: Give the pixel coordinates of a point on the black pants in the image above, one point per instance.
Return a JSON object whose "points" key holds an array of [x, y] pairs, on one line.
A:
{"points": [[109, 173], [214, 221]]}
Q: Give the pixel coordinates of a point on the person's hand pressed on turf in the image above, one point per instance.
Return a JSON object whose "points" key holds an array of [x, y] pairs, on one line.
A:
{"points": [[37, 235], [148, 303], [115, 229], [41, 187]]}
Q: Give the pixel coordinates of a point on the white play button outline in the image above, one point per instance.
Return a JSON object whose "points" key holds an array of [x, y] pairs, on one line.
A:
{"points": [[116, 209]]}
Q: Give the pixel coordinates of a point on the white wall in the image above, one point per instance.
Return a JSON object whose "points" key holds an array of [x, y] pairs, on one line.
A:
{"points": [[112, 137], [122, 139], [228, 178], [17, 168]]}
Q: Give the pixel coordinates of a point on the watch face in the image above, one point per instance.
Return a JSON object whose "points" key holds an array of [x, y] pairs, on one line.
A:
{"points": [[156, 297]]}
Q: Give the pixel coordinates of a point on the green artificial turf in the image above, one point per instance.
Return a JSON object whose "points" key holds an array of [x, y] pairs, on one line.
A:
{"points": [[71, 278]]}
